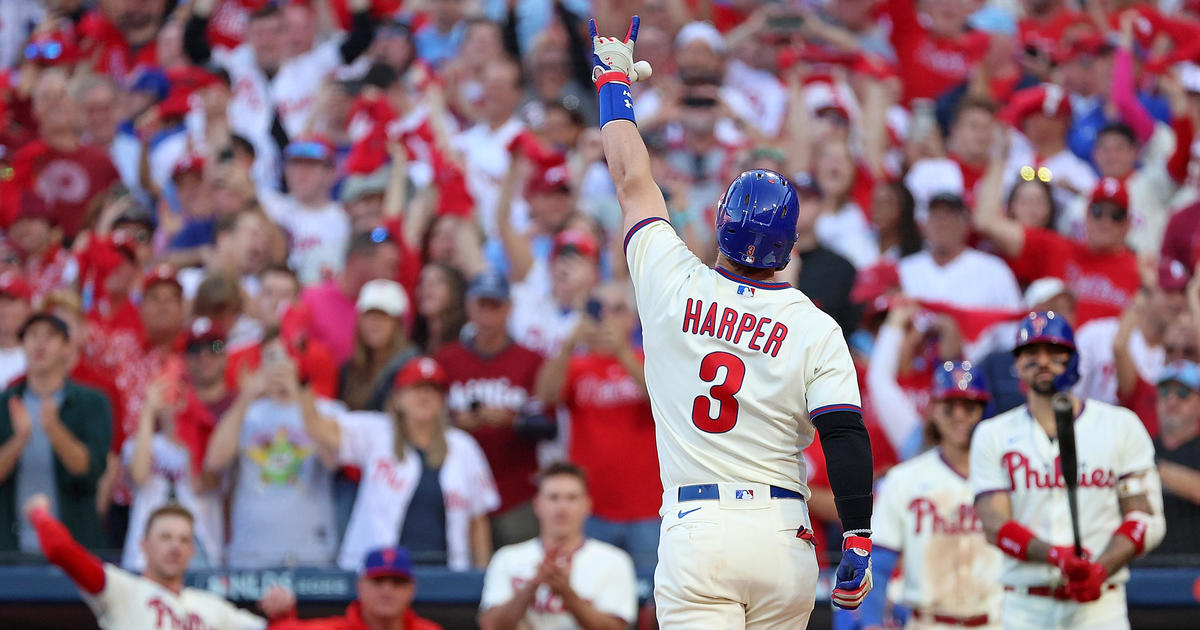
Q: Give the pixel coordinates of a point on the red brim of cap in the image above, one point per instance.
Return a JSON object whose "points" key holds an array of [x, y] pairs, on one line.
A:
{"points": [[956, 394], [387, 572]]}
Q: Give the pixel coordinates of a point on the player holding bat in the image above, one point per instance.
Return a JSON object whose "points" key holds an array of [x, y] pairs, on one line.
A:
{"points": [[1022, 498]]}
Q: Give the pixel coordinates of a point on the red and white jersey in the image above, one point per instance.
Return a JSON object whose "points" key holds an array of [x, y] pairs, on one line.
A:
{"points": [[132, 601], [600, 573], [735, 367], [1012, 453], [925, 510]]}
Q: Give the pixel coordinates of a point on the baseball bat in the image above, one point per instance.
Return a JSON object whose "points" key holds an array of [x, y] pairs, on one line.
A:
{"points": [[1064, 421]]}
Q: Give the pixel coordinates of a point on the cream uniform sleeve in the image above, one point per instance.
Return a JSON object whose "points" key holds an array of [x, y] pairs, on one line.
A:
{"points": [[659, 262], [120, 588], [831, 382], [497, 581], [619, 597], [986, 473], [887, 519], [235, 618]]}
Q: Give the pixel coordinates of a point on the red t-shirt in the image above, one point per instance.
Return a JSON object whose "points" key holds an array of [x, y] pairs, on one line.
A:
{"points": [[67, 182], [612, 438], [314, 362], [929, 64], [1048, 35], [506, 380], [1182, 239], [1143, 401], [1102, 284], [101, 40]]}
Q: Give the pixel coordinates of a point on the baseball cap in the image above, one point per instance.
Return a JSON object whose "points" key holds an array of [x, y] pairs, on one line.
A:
{"points": [[548, 180], [1047, 99], [1184, 372], [700, 31], [382, 295], [806, 185], [309, 148], [139, 214], [1111, 190], [32, 206], [190, 163], [1173, 275], [152, 80], [578, 242], [489, 284], [55, 322], [874, 282], [358, 186], [13, 285], [1043, 290], [951, 199], [159, 274], [421, 371], [204, 333], [388, 562]]}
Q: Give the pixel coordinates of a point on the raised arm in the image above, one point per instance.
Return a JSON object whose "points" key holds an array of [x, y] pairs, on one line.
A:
{"points": [[989, 217], [613, 71], [61, 549]]}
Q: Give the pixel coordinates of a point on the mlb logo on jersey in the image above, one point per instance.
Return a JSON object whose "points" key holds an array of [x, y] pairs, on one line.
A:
{"points": [[743, 495], [745, 290]]}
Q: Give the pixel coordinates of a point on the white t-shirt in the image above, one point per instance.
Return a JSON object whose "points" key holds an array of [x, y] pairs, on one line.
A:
{"points": [[848, 233], [387, 487], [170, 465], [319, 235], [1097, 366], [12, 364], [734, 366], [972, 280], [1012, 453], [924, 509], [600, 573], [131, 601], [485, 153], [537, 321]]}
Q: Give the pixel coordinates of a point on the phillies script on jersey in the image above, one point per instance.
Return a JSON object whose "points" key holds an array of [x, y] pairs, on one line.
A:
{"points": [[1022, 475], [963, 520]]}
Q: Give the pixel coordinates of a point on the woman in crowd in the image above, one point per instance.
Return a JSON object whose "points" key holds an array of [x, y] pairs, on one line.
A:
{"points": [[441, 306], [381, 346]]}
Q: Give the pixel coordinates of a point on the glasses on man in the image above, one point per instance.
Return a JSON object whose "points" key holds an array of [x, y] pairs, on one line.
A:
{"points": [[1179, 390], [1117, 214], [206, 347]]}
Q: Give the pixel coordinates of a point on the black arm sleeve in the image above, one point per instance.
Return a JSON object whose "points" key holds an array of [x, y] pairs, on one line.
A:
{"points": [[508, 32], [848, 463], [195, 40], [362, 32], [580, 51]]}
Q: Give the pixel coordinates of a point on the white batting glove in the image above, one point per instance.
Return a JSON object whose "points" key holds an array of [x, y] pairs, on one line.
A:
{"points": [[612, 58]]}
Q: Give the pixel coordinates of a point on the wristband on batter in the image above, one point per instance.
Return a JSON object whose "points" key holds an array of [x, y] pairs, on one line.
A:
{"points": [[616, 101], [1013, 539], [1134, 528]]}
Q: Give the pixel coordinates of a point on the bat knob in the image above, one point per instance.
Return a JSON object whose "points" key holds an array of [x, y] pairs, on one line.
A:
{"points": [[1062, 403]]}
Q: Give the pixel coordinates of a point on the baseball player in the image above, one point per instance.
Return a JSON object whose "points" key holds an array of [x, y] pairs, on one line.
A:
{"points": [[157, 599], [741, 372], [925, 515], [1022, 501]]}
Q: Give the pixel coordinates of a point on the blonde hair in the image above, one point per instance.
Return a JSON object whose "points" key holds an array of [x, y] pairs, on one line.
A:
{"points": [[435, 455]]}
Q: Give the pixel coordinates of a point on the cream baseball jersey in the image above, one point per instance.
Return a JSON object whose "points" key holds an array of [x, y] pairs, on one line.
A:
{"points": [[1012, 453], [600, 573], [925, 511], [735, 367], [132, 601]]}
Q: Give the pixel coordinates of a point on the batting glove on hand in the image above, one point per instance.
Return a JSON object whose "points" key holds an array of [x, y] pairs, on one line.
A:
{"points": [[853, 578], [1089, 587], [1073, 567], [612, 58]]}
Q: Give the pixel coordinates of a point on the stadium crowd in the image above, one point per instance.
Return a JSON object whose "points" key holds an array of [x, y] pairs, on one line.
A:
{"points": [[358, 263]]}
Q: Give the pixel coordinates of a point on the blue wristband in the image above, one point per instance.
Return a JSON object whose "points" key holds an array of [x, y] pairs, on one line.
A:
{"points": [[616, 103]]}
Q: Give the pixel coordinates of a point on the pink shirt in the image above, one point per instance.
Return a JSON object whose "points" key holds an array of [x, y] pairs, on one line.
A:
{"points": [[333, 318]]}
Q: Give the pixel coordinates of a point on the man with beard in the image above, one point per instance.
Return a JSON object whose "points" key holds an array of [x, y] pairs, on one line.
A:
{"points": [[1019, 493]]}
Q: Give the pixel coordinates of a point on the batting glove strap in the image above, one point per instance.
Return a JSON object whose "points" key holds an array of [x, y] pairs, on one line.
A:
{"points": [[1013, 539], [1134, 528], [853, 578]]}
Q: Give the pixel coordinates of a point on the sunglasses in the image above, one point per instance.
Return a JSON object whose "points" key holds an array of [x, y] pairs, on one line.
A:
{"points": [[1180, 390], [44, 50], [1097, 211], [380, 235], [1191, 353], [211, 347], [1041, 173]]}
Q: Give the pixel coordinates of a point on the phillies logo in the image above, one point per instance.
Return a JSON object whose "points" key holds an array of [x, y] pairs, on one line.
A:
{"points": [[961, 520], [1022, 475], [165, 618]]}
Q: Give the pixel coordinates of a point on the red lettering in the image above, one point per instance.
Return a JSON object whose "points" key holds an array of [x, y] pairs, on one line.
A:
{"points": [[1016, 464], [775, 340], [691, 318], [710, 321], [746, 325], [728, 319], [962, 520], [758, 332]]}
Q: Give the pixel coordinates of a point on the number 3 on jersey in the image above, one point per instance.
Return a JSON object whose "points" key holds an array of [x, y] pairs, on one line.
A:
{"points": [[723, 392]]}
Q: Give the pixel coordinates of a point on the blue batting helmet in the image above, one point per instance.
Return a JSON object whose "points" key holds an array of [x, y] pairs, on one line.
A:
{"points": [[959, 380], [1048, 327], [756, 220]]}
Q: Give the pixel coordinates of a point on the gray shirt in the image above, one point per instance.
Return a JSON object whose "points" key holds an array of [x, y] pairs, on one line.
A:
{"points": [[282, 512], [35, 472]]}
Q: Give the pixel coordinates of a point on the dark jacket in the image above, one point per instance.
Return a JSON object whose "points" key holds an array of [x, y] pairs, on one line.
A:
{"points": [[86, 414], [353, 620]]}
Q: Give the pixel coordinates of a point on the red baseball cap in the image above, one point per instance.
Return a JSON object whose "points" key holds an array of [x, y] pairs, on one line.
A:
{"points": [[874, 282], [574, 241], [190, 163], [1048, 99], [1111, 190], [1173, 275], [159, 274], [14, 285], [550, 179], [422, 371], [204, 331]]}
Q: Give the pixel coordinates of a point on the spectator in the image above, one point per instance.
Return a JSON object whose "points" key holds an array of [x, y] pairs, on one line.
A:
{"points": [[266, 439], [385, 589], [550, 201], [842, 224], [441, 308], [543, 322], [14, 310], [933, 56], [220, 299], [56, 434], [371, 255], [207, 356], [1043, 115], [492, 380], [892, 216], [439, 38], [562, 578], [122, 35], [485, 145], [822, 274], [426, 486], [317, 225], [1146, 177], [612, 427], [240, 250], [968, 147], [381, 347], [35, 236], [1178, 448]]}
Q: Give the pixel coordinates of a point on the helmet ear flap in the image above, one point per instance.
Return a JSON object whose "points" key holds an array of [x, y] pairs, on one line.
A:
{"points": [[1068, 378]]}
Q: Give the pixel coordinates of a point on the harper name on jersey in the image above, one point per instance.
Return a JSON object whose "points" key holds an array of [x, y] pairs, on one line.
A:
{"points": [[729, 324]]}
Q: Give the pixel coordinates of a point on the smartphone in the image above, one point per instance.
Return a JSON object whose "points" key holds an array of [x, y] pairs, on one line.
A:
{"points": [[698, 101], [787, 23], [594, 309]]}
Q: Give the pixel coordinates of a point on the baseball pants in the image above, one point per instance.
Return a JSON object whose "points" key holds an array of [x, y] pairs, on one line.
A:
{"points": [[735, 562], [1031, 612]]}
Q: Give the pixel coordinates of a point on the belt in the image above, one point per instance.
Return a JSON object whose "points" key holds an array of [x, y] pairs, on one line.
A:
{"points": [[709, 491], [1057, 592], [966, 622]]}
